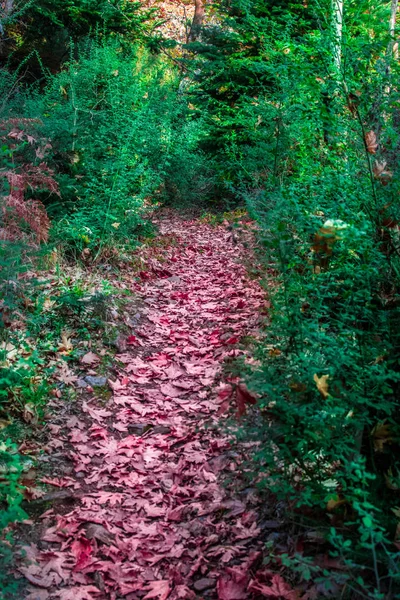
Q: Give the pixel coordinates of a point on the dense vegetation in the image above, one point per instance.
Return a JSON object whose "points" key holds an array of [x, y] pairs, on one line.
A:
{"points": [[291, 109]]}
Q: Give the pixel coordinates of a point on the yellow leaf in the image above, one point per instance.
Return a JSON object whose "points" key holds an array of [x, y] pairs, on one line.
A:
{"points": [[115, 225], [274, 352], [334, 502], [322, 385], [4, 423]]}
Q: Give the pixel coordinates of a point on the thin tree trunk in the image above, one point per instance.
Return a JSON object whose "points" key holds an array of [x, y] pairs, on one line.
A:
{"points": [[197, 21], [393, 44], [337, 21]]}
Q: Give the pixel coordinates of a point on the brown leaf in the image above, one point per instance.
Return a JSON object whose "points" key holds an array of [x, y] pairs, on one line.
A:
{"points": [[381, 173], [371, 142], [243, 397], [381, 435], [30, 415], [65, 346], [90, 358]]}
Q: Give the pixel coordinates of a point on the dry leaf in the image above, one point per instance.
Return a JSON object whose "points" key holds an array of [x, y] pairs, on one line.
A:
{"points": [[334, 503], [381, 173], [381, 435], [297, 386], [66, 375], [66, 345], [371, 142], [274, 352], [29, 414], [90, 359], [322, 384]]}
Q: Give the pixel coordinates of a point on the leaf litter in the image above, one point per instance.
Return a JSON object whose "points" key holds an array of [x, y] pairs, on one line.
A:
{"points": [[153, 516]]}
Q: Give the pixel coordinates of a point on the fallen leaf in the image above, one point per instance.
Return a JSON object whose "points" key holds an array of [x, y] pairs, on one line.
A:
{"points": [[158, 589], [279, 589], [82, 550], [90, 358], [66, 346], [232, 585], [81, 592]]}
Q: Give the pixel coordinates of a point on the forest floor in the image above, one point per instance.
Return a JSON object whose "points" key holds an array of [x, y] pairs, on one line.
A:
{"points": [[155, 502]]}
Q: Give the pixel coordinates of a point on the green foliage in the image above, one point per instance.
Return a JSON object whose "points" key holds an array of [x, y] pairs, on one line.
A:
{"points": [[312, 151], [40, 33], [11, 469]]}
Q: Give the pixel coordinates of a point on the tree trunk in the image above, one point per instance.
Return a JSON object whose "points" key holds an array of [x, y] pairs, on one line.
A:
{"points": [[197, 21], [393, 44], [337, 21], [8, 8]]}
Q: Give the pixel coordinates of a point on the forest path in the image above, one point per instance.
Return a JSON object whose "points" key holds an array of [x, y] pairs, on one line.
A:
{"points": [[160, 511]]}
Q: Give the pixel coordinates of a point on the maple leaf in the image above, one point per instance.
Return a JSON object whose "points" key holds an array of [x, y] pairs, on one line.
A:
{"points": [[90, 358], [96, 413], [371, 143], [79, 592], [279, 589], [82, 549], [34, 574], [158, 589], [232, 585], [170, 390]]}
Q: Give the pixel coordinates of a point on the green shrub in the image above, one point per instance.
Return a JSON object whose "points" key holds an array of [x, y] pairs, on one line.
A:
{"points": [[312, 151]]}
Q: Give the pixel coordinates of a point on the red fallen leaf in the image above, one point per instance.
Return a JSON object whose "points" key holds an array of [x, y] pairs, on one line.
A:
{"points": [[57, 482], [38, 595], [34, 574], [279, 589], [243, 397], [132, 340], [232, 585], [232, 340], [158, 589], [79, 592], [96, 413], [170, 390], [82, 550]]}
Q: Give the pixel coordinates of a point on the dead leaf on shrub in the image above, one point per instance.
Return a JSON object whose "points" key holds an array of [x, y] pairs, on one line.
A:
{"points": [[381, 173], [381, 435], [371, 142], [298, 386], [335, 502], [322, 384], [243, 397], [274, 352]]}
